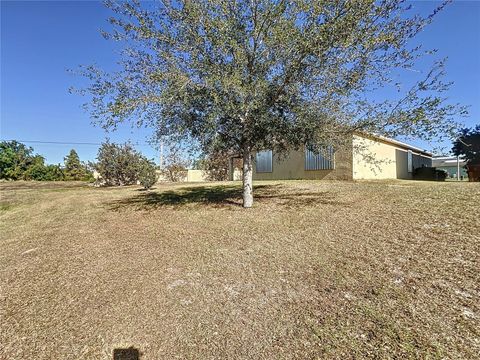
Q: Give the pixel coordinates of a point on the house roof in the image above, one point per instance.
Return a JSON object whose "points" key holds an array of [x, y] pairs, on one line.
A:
{"points": [[396, 143], [383, 139], [447, 161]]}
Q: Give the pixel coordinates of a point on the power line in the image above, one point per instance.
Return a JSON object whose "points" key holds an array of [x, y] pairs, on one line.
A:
{"points": [[65, 143]]}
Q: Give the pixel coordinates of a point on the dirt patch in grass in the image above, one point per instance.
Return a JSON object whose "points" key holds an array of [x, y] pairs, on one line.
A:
{"points": [[315, 270]]}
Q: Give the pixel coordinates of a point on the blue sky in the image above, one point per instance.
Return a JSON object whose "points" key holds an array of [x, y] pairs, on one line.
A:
{"points": [[40, 40]]}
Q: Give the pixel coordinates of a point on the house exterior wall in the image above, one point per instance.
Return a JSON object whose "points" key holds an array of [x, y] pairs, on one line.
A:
{"points": [[188, 176], [366, 157], [237, 174], [376, 159], [196, 176], [292, 166]]}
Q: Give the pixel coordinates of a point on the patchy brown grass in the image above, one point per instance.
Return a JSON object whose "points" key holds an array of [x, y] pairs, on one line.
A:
{"points": [[331, 270]]}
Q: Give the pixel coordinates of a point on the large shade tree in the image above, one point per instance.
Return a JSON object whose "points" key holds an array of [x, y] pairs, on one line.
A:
{"points": [[246, 75], [467, 145]]}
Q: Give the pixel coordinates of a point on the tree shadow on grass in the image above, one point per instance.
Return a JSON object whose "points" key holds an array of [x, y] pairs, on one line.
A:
{"points": [[221, 195], [225, 196]]}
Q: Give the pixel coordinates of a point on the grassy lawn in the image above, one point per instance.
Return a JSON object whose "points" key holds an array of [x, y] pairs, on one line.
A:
{"points": [[329, 270]]}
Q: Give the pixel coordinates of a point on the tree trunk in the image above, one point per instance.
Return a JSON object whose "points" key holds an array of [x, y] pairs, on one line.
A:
{"points": [[247, 179]]}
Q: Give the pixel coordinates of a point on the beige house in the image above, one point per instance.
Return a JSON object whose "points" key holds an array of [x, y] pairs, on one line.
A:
{"points": [[367, 157]]}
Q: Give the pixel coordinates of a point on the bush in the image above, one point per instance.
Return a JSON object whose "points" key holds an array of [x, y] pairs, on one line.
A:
{"points": [[53, 173], [429, 173], [148, 175], [118, 164], [36, 171], [176, 166], [215, 165]]}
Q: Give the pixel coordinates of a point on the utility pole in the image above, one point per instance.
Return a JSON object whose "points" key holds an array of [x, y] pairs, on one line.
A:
{"points": [[458, 168], [161, 154]]}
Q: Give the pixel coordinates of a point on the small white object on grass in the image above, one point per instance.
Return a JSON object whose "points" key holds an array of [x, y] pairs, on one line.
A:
{"points": [[177, 283], [29, 251]]}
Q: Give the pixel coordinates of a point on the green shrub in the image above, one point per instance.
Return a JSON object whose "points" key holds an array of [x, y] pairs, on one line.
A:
{"points": [[176, 166], [148, 175], [429, 173], [118, 164], [121, 164], [37, 171], [53, 173]]}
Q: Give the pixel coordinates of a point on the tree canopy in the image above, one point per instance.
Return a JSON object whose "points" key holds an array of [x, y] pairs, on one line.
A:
{"points": [[74, 169], [468, 145], [241, 76], [15, 158], [19, 162]]}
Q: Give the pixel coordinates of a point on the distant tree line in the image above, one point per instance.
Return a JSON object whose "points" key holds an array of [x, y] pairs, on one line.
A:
{"points": [[19, 162], [117, 164]]}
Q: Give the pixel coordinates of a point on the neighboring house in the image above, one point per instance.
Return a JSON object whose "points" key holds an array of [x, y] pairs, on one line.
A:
{"points": [[367, 157], [450, 165]]}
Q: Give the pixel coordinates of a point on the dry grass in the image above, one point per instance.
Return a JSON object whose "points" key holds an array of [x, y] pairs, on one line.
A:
{"points": [[330, 270]]}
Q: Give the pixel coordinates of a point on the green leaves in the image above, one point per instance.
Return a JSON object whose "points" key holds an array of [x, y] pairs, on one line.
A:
{"points": [[147, 175], [468, 145], [75, 169], [18, 162], [268, 74], [121, 164]]}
